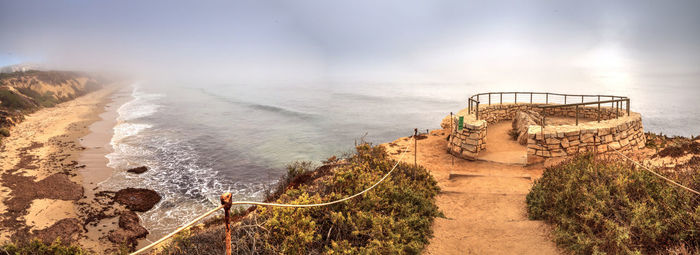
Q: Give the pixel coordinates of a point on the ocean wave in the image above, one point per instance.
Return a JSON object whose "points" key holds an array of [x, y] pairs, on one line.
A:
{"points": [[142, 105], [263, 107]]}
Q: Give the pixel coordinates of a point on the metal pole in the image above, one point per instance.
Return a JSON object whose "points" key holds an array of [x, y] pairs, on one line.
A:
{"points": [[576, 115], [501, 97], [564, 99], [530, 97], [226, 202], [415, 146], [599, 109], [546, 101], [477, 110], [628, 107], [469, 106], [516, 97], [581, 99], [489, 98]]}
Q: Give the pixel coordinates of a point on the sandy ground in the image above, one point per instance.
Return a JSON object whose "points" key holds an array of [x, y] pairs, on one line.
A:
{"points": [[483, 202], [41, 183]]}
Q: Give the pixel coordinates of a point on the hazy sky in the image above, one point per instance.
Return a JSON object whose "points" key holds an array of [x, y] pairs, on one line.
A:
{"points": [[441, 41]]}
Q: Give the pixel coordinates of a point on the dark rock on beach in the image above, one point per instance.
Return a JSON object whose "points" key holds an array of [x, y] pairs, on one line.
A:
{"points": [[139, 200], [138, 170], [129, 230]]}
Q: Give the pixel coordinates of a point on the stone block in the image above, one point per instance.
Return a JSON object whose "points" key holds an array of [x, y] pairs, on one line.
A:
{"points": [[553, 141], [564, 143], [573, 133], [614, 145]]}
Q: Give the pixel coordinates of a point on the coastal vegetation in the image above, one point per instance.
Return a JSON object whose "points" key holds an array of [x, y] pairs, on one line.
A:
{"points": [[600, 206], [36, 247], [393, 218]]}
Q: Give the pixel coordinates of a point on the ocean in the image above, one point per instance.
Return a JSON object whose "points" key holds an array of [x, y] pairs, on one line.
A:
{"points": [[202, 140]]}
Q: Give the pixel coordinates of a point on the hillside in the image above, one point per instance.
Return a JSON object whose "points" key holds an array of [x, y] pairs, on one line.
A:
{"points": [[25, 92]]}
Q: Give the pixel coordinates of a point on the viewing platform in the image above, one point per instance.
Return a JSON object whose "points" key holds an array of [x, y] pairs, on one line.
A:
{"points": [[560, 125]]}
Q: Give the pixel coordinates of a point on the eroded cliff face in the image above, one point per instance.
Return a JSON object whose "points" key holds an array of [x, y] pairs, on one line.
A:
{"points": [[24, 92]]}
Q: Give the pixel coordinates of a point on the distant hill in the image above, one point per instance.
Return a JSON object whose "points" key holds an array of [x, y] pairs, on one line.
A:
{"points": [[24, 92]]}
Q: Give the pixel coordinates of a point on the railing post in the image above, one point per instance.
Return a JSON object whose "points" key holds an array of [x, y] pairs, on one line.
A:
{"points": [[564, 99], [501, 97], [530, 97], [576, 115], [581, 98], [227, 202], [477, 110], [516, 97], [415, 146], [598, 109], [546, 100], [489, 98], [469, 107], [628, 107]]}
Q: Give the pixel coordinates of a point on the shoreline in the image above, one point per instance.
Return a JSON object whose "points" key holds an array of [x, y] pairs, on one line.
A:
{"points": [[52, 164]]}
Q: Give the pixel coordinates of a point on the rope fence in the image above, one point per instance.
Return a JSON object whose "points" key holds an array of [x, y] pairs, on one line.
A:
{"points": [[226, 204], [657, 174]]}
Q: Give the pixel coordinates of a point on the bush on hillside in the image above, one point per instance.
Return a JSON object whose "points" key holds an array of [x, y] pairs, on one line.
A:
{"points": [[39, 248], [393, 218], [12, 100], [600, 206], [4, 132]]}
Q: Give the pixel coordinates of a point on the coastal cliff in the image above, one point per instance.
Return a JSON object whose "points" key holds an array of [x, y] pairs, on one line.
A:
{"points": [[25, 92]]}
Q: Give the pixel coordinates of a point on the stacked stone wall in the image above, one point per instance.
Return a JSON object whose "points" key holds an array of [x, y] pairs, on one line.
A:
{"points": [[468, 142], [616, 130], [499, 112], [625, 133]]}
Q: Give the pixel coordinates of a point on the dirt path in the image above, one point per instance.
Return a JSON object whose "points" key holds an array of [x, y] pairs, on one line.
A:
{"points": [[483, 202]]}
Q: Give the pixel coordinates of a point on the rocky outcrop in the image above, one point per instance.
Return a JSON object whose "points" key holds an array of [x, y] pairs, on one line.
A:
{"points": [[139, 200], [138, 170], [522, 121], [130, 230]]}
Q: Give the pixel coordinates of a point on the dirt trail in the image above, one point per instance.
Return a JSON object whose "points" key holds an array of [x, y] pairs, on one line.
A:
{"points": [[483, 202]]}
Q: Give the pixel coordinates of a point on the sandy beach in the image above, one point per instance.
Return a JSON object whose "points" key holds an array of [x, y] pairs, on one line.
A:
{"points": [[51, 165]]}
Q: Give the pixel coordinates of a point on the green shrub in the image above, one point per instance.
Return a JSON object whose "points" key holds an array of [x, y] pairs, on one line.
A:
{"points": [[39, 248], [4, 132], [393, 218], [602, 207], [14, 101]]}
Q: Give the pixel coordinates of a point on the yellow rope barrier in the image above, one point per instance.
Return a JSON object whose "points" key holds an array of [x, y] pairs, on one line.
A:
{"points": [[189, 224]]}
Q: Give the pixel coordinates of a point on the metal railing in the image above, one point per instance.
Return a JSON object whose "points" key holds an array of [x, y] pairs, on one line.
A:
{"points": [[616, 102]]}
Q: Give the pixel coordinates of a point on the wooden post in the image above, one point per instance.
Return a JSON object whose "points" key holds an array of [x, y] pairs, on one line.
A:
{"points": [[226, 202], [415, 147]]}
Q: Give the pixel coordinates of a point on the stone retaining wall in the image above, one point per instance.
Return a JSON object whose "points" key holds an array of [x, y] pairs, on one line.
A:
{"points": [[498, 112], [622, 133], [468, 142]]}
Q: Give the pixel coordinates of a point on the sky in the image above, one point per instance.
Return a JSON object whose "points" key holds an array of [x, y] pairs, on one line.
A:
{"points": [[609, 42]]}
